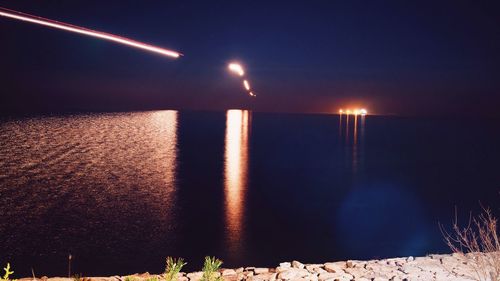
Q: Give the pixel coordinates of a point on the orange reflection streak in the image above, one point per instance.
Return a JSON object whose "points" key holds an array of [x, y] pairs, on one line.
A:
{"points": [[85, 31], [166, 124], [340, 124], [235, 174], [355, 135], [355, 145], [347, 127]]}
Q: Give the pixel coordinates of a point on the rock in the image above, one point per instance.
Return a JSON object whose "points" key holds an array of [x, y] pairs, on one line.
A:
{"points": [[194, 276], [265, 277], [349, 264], [293, 273], [297, 264], [260, 270], [229, 275], [410, 258], [333, 267], [313, 267], [247, 274], [300, 279], [102, 279], [328, 276], [240, 270], [285, 265], [226, 272]]}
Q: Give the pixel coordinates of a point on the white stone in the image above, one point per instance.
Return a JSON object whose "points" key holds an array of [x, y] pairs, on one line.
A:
{"points": [[226, 272], [293, 273], [195, 276], [259, 270], [265, 277], [333, 267], [312, 267], [285, 265], [297, 264]]}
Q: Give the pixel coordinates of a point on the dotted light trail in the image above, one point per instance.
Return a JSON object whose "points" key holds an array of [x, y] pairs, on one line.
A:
{"points": [[238, 69], [85, 31]]}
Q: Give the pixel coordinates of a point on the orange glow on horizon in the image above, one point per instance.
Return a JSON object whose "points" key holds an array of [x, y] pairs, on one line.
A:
{"points": [[355, 111]]}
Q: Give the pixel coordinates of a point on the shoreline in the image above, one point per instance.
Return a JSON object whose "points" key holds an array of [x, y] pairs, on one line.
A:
{"points": [[432, 267]]}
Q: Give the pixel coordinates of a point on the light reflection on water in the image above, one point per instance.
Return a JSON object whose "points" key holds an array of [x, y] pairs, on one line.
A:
{"points": [[122, 191], [354, 146], [238, 123], [88, 182]]}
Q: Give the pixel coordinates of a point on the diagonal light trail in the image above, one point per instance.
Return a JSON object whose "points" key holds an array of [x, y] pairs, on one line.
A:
{"points": [[238, 69], [85, 31]]}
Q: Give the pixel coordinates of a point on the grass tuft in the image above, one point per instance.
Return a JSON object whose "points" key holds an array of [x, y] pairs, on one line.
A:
{"points": [[8, 273], [152, 278], [210, 269], [173, 267], [130, 278]]}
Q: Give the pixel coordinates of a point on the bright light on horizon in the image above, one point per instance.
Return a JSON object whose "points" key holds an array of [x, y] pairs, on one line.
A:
{"points": [[355, 111]]}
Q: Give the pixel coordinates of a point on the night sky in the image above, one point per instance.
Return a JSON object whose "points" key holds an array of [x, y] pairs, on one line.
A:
{"points": [[392, 57]]}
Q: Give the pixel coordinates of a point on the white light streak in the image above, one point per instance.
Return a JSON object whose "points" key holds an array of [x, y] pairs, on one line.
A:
{"points": [[81, 30], [246, 85]]}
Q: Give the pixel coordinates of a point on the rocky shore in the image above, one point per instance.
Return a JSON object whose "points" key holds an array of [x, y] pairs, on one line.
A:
{"points": [[433, 267]]}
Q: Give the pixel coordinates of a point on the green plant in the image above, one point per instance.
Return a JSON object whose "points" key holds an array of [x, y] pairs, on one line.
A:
{"points": [[210, 269], [7, 274], [77, 277], [130, 278], [173, 267], [152, 278]]}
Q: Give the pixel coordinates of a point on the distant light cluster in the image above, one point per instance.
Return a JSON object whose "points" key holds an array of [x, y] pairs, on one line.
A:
{"points": [[356, 111], [238, 69]]}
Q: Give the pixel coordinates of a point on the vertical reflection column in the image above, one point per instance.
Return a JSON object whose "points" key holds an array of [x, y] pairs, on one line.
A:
{"points": [[235, 175], [165, 123], [171, 138]]}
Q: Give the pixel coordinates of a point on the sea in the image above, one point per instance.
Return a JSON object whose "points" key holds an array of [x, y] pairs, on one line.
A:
{"points": [[100, 194]]}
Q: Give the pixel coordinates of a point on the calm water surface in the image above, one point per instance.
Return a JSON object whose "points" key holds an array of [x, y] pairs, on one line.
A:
{"points": [[122, 191]]}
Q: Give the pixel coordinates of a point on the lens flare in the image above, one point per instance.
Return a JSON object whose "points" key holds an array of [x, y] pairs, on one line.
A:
{"points": [[236, 68], [85, 31]]}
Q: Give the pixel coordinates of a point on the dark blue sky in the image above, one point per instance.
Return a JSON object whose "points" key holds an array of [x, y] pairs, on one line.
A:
{"points": [[393, 57]]}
